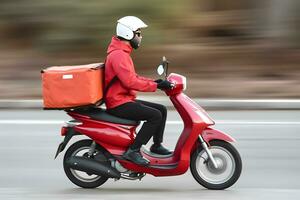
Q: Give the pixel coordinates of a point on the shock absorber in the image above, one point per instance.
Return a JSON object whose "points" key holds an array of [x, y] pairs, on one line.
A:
{"points": [[206, 149]]}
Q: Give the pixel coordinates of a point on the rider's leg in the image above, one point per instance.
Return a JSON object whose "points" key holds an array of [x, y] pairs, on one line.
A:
{"points": [[138, 111], [157, 147], [158, 135]]}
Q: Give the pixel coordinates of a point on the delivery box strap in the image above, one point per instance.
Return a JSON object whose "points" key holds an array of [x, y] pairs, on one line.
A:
{"points": [[113, 80]]}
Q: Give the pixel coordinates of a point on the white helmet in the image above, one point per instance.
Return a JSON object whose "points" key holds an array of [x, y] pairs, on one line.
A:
{"points": [[127, 25]]}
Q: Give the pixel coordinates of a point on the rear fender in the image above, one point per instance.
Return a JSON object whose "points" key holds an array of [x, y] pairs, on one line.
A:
{"points": [[213, 134], [68, 135]]}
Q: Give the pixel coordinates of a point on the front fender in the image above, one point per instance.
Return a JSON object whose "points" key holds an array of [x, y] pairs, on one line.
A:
{"points": [[213, 134]]}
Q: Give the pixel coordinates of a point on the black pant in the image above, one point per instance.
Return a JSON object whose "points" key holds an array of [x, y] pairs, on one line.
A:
{"points": [[153, 114]]}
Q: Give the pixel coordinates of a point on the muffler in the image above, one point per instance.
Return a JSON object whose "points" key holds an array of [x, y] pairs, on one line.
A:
{"points": [[92, 167]]}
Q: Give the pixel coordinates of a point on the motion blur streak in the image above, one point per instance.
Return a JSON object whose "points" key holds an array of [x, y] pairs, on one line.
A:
{"points": [[226, 48]]}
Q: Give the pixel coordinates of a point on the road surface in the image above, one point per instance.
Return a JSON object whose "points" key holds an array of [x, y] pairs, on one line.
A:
{"points": [[268, 141]]}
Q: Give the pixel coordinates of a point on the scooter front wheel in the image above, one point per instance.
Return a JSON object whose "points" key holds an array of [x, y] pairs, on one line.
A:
{"points": [[229, 166], [80, 178]]}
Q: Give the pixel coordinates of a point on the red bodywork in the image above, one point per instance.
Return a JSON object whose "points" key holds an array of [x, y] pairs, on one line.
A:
{"points": [[116, 138]]}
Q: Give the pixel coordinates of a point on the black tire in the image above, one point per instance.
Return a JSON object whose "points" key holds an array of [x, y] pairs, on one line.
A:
{"points": [[99, 180], [231, 179]]}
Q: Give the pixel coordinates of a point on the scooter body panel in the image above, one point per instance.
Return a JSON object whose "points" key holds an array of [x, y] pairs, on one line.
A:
{"points": [[214, 134], [114, 137]]}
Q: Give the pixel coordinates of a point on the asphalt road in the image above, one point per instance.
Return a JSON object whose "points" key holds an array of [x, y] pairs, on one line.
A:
{"points": [[268, 142]]}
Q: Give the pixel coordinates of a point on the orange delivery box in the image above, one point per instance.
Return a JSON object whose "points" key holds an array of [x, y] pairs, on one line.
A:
{"points": [[72, 86]]}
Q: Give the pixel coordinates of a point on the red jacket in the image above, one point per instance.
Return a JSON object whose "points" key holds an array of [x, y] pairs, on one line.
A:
{"points": [[119, 63]]}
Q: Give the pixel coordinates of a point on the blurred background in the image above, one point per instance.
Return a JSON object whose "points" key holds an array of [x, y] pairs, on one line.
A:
{"points": [[226, 48], [248, 49]]}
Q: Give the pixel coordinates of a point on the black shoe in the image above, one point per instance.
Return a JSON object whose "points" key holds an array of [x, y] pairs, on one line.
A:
{"points": [[160, 149], [135, 156]]}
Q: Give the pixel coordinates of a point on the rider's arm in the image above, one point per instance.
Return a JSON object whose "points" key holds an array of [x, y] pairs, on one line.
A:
{"points": [[144, 78], [124, 69]]}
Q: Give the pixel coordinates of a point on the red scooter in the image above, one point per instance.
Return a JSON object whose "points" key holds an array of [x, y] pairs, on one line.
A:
{"points": [[213, 161]]}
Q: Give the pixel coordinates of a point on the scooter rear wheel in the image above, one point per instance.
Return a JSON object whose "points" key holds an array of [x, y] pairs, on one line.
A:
{"points": [[79, 178], [229, 166]]}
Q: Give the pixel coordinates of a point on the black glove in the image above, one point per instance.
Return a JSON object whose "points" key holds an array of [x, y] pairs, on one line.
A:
{"points": [[158, 80], [164, 85]]}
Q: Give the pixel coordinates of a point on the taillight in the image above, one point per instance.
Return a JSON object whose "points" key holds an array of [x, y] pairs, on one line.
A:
{"points": [[69, 124], [63, 131]]}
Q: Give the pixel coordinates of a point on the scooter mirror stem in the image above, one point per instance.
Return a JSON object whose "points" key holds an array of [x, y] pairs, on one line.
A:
{"points": [[165, 64], [166, 71]]}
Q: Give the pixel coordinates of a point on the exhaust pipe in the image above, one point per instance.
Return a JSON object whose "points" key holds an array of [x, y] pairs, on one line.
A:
{"points": [[92, 167]]}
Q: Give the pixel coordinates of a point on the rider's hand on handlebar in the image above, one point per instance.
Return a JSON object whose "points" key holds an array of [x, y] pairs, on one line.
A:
{"points": [[165, 85]]}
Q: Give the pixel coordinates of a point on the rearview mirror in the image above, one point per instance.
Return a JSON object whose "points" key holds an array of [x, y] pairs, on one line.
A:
{"points": [[160, 70]]}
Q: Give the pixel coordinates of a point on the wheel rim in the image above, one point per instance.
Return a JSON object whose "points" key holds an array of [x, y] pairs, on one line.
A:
{"points": [[80, 175], [225, 161]]}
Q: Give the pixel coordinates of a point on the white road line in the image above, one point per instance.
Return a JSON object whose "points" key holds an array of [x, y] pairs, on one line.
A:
{"points": [[240, 122], [20, 121], [229, 122], [257, 123]]}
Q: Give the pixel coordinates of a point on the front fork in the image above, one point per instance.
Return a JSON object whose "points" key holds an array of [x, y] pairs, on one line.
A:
{"points": [[207, 150]]}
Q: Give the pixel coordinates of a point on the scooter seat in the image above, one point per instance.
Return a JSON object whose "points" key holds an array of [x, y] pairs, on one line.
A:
{"points": [[101, 115]]}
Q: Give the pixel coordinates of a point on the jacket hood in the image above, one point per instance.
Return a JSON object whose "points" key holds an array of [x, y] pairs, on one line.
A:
{"points": [[117, 44]]}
